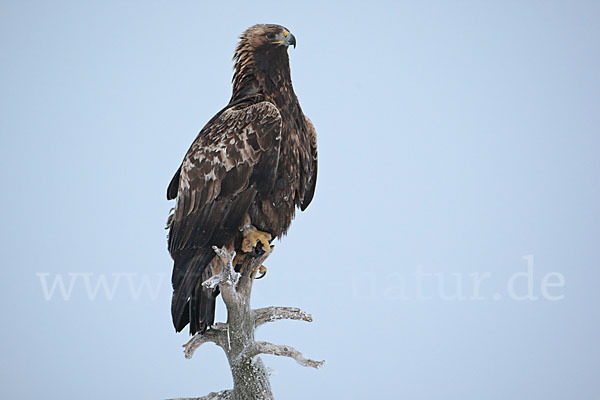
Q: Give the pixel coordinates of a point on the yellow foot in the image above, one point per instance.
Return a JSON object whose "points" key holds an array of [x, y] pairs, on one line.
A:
{"points": [[262, 270], [253, 238]]}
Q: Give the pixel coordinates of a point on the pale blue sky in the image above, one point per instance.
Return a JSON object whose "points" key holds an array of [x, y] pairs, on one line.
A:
{"points": [[455, 138]]}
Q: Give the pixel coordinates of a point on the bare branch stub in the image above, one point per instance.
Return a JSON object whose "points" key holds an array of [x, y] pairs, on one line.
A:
{"points": [[228, 278], [217, 334], [284, 351], [222, 395], [272, 314]]}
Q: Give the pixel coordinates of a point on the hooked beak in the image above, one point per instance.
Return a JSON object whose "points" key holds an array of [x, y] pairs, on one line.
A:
{"points": [[289, 40]]}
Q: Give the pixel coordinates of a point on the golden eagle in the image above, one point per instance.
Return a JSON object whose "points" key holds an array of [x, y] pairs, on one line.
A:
{"points": [[244, 175]]}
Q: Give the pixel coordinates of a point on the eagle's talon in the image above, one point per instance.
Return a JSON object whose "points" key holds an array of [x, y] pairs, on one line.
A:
{"points": [[262, 270]]}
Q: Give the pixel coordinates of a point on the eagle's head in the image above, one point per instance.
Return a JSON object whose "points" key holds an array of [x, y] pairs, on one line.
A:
{"points": [[265, 37], [261, 58]]}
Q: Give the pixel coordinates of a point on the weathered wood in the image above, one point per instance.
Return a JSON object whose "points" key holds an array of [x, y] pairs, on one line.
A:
{"points": [[236, 337]]}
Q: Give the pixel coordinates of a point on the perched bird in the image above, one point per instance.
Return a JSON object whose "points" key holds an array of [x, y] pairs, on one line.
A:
{"points": [[244, 175]]}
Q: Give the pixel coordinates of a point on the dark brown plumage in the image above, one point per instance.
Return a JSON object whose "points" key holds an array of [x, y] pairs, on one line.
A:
{"points": [[249, 167]]}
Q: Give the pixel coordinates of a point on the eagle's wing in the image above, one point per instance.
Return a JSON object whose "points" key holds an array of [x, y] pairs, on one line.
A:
{"points": [[233, 157], [309, 165]]}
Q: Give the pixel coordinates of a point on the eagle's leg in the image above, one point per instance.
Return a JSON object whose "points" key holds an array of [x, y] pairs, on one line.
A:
{"points": [[254, 244]]}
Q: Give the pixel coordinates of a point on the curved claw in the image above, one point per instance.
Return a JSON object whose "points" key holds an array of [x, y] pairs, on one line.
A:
{"points": [[263, 271]]}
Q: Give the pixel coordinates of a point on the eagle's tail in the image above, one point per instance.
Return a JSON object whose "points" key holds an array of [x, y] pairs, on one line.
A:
{"points": [[202, 305], [193, 303]]}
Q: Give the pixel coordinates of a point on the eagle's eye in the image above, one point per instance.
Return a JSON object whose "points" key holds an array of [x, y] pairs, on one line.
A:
{"points": [[270, 36]]}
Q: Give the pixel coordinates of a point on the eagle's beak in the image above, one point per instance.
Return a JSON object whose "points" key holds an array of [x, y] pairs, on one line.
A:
{"points": [[289, 40]]}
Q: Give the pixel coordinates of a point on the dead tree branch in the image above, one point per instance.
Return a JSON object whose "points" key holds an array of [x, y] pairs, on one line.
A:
{"points": [[272, 314], [222, 395], [236, 337], [283, 351]]}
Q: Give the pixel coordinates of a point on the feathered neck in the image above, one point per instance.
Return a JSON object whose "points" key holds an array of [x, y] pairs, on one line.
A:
{"points": [[244, 75], [262, 74]]}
